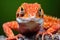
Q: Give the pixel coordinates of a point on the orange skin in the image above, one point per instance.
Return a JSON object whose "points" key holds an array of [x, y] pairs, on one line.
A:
{"points": [[50, 23]]}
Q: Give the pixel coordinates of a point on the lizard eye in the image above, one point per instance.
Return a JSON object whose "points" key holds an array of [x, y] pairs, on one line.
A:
{"points": [[22, 9], [22, 12], [39, 12]]}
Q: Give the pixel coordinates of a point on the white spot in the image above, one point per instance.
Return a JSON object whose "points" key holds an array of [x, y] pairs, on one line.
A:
{"points": [[41, 21], [19, 20], [2, 37]]}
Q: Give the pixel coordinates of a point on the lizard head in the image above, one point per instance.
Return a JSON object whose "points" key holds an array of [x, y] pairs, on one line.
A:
{"points": [[29, 12]]}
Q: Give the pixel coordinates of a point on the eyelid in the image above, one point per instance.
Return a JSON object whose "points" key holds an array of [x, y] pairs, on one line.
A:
{"points": [[21, 12], [22, 9], [39, 13], [40, 10]]}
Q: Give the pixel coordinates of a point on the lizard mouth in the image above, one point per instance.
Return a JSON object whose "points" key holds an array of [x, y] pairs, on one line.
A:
{"points": [[28, 20], [30, 25]]}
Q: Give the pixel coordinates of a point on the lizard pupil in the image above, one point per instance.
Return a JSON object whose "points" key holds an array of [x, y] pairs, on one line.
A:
{"points": [[39, 12], [22, 9], [22, 12]]}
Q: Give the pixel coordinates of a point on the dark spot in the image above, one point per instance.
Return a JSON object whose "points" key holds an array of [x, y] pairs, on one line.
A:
{"points": [[22, 9], [39, 12], [17, 14], [22, 14], [56, 38]]}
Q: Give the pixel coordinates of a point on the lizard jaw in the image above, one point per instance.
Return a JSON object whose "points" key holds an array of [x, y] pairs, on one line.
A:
{"points": [[40, 20]]}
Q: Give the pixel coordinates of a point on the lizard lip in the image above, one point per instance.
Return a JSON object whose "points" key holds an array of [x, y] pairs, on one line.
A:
{"points": [[19, 20]]}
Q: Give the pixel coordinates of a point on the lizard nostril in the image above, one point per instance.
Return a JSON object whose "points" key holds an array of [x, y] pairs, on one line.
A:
{"points": [[21, 15], [17, 14]]}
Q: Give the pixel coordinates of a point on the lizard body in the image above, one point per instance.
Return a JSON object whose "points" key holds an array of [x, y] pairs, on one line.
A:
{"points": [[30, 18]]}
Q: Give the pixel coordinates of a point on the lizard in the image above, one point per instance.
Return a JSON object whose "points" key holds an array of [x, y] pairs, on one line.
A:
{"points": [[30, 19]]}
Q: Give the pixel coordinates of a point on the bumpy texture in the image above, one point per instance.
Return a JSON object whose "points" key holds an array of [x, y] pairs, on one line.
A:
{"points": [[31, 12]]}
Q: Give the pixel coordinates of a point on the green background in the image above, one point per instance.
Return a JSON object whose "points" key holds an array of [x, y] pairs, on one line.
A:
{"points": [[8, 9]]}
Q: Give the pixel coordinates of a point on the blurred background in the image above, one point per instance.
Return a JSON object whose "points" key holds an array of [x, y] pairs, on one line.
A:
{"points": [[8, 9]]}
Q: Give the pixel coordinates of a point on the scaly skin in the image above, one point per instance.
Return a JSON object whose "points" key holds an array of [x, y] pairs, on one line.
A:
{"points": [[31, 12]]}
